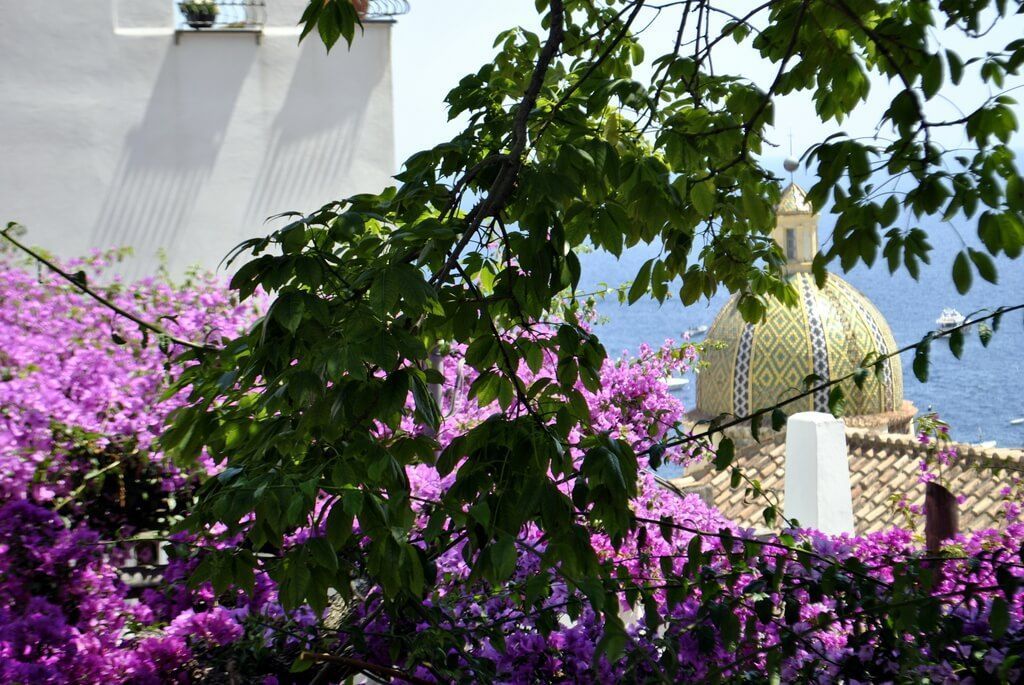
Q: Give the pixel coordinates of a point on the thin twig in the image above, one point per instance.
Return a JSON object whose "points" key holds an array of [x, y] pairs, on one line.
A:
{"points": [[593, 67], [362, 666], [934, 335], [78, 282]]}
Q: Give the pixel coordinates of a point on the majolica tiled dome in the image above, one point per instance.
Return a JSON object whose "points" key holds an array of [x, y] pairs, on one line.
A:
{"points": [[828, 333]]}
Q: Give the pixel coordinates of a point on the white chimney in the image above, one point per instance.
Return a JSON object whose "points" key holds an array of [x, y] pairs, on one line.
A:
{"points": [[818, 473]]}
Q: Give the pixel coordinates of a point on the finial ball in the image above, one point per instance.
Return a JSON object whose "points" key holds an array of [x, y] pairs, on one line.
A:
{"points": [[791, 164]]}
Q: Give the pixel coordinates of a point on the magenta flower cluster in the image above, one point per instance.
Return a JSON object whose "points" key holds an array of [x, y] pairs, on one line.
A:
{"points": [[68, 391], [80, 409]]}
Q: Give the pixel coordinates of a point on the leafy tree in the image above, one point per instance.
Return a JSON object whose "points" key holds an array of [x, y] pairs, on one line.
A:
{"points": [[565, 147]]}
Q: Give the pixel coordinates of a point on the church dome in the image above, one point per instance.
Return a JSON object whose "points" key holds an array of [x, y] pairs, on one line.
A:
{"points": [[828, 333]]}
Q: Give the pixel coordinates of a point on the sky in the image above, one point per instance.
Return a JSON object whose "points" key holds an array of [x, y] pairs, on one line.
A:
{"points": [[440, 41]]}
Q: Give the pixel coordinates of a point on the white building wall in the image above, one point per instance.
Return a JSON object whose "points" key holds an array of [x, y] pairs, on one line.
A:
{"points": [[113, 135]]}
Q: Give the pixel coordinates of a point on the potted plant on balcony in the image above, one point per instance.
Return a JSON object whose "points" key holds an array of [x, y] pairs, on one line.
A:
{"points": [[199, 14]]}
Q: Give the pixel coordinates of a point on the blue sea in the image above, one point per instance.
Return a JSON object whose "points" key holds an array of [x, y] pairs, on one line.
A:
{"points": [[978, 394]]}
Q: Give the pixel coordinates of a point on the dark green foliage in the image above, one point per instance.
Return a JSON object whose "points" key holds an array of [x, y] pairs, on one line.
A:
{"points": [[563, 149]]}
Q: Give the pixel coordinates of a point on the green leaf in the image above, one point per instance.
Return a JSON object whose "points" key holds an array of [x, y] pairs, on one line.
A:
{"points": [[890, 211], [384, 292], [729, 628], [613, 642], [482, 352], [999, 617], [984, 264], [426, 406], [693, 287], [956, 67], [288, 310], [962, 272], [920, 364], [724, 454], [339, 526], [301, 665], [503, 557], [751, 308], [931, 78], [1008, 582], [737, 30], [984, 333], [702, 195], [836, 401], [329, 29], [778, 419], [659, 281], [641, 283], [323, 554], [765, 610], [636, 53], [956, 343], [818, 268]]}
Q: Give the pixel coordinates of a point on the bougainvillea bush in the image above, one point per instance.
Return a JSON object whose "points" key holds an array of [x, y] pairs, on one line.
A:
{"points": [[81, 387], [80, 410], [83, 400]]}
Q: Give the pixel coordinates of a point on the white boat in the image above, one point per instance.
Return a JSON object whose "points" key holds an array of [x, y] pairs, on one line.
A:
{"points": [[987, 444], [950, 318], [1017, 422], [697, 330], [675, 383]]}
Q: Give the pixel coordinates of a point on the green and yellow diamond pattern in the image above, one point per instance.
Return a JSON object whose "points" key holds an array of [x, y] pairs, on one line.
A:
{"points": [[829, 332]]}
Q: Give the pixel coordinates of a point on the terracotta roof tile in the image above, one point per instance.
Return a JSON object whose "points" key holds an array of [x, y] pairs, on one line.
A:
{"points": [[881, 466]]}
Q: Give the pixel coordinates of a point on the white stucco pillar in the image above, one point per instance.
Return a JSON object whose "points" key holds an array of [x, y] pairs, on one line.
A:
{"points": [[818, 473]]}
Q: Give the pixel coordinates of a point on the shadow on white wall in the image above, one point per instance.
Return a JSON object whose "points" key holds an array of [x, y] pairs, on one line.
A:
{"points": [[312, 142], [169, 156]]}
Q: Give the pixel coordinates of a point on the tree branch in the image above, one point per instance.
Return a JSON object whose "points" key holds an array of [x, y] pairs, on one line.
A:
{"points": [[79, 283], [364, 666], [504, 183], [602, 58]]}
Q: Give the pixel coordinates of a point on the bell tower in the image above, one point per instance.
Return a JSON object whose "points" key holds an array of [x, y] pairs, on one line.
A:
{"points": [[796, 226]]}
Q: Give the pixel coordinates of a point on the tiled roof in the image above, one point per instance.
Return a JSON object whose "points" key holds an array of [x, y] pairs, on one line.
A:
{"points": [[881, 465], [793, 201], [828, 332]]}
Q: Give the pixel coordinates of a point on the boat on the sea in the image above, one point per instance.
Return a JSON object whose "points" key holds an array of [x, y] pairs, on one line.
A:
{"points": [[674, 383], [949, 318], [697, 330], [987, 444], [1017, 422]]}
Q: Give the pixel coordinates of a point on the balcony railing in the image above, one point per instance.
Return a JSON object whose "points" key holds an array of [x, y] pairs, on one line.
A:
{"points": [[222, 15], [385, 9], [251, 15]]}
